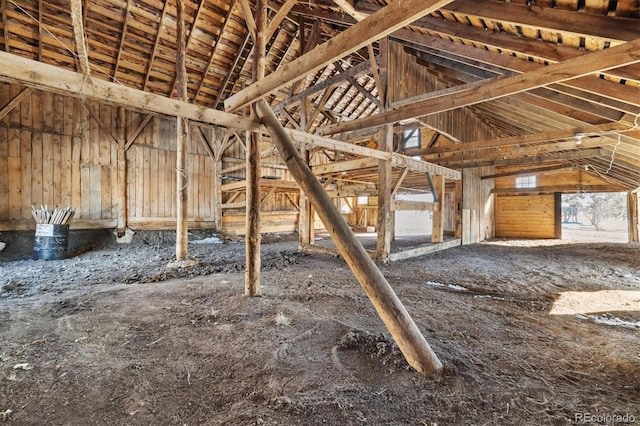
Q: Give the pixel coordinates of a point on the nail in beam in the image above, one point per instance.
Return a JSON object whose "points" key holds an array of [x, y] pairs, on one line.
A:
{"points": [[411, 342]]}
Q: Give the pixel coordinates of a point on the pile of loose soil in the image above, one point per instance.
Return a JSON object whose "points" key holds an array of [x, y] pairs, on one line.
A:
{"points": [[113, 336]]}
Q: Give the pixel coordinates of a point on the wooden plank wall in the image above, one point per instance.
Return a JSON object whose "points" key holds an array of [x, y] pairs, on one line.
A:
{"points": [[53, 152], [479, 204], [462, 124], [573, 180], [530, 216]]}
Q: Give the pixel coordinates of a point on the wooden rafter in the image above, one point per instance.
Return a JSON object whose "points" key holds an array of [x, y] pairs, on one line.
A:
{"points": [[501, 64], [387, 20], [156, 43], [537, 159], [279, 17], [524, 139], [248, 17], [331, 81], [229, 75], [122, 37], [498, 87], [58, 80]]}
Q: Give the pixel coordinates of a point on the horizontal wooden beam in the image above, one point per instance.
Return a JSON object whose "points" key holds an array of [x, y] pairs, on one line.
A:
{"points": [[550, 19], [584, 131], [380, 24], [30, 73], [543, 158], [558, 188], [344, 166], [408, 205], [529, 171], [397, 160], [497, 87]]}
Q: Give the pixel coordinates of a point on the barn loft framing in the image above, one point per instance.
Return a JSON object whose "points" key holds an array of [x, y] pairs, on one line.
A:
{"points": [[142, 114]]}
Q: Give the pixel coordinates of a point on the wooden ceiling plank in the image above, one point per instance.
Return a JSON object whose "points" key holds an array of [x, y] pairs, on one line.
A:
{"points": [[334, 80], [58, 80], [502, 41], [156, 44], [214, 50], [227, 78], [618, 93], [78, 32], [387, 20], [499, 87]]}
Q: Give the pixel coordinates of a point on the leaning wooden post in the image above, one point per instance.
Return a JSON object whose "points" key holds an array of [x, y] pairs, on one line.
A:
{"points": [[411, 342], [252, 236], [182, 128]]}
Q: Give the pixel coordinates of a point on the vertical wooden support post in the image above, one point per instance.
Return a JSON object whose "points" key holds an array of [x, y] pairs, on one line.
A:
{"points": [[437, 233], [411, 342], [632, 216], [122, 172], [182, 128], [217, 182], [252, 236], [305, 216], [458, 209], [385, 143], [557, 215]]}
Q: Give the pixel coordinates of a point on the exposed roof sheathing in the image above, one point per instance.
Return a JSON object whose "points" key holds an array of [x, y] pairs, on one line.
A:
{"points": [[133, 42]]}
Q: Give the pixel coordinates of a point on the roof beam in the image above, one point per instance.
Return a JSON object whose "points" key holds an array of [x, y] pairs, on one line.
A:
{"points": [[498, 87], [610, 94], [279, 17], [537, 159], [123, 36], [380, 24], [248, 18], [214, 50], [335, 79], [397, 160], [550, 19], [531, 171], [156, 43], [524, 139], [47, 77], [350, 9]]}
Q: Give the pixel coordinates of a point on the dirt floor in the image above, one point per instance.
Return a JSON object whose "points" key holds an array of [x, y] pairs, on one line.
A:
{"points": [[112, 336]]}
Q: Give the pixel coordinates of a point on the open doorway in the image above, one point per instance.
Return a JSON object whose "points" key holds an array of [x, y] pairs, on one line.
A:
{"points": [[595, 217]]}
